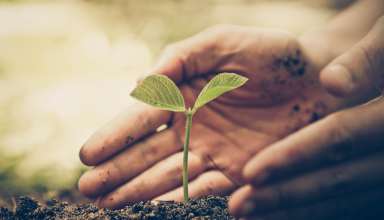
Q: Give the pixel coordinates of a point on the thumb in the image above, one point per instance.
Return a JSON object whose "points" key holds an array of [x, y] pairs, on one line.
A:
{"points": [[360, 70]]}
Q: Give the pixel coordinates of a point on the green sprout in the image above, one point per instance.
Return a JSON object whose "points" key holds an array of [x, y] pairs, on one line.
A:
{"points": [[161, 92]]}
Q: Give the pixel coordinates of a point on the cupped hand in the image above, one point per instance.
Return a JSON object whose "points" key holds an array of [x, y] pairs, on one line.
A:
{"points": [[133, 162], [331, 169]]}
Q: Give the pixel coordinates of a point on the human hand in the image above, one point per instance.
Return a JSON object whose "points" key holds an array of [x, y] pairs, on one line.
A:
{"points": [[334, 168], [133, 162]]}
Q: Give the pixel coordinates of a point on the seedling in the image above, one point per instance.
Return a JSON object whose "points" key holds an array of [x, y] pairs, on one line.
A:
{"points": [[161, 92]]}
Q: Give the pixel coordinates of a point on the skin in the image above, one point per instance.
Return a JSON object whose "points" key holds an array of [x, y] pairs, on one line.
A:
{"points": [[244, 137], [134, 163], [331, 165]]}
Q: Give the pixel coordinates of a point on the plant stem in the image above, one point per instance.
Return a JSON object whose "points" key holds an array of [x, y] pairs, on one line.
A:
{"points": [[188, 125]]}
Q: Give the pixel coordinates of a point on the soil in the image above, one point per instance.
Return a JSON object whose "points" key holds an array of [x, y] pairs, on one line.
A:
{"points": [[211, 207]]}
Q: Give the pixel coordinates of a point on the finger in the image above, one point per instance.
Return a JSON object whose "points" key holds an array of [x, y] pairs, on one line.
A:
{"points": [[162, 177], [359, 206], [199, 54], [129, 163], [209, 183], [360, 69], [329, 182], [340, 136], [121, 132]]}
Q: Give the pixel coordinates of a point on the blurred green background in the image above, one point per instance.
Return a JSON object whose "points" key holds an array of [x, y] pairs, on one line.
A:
{"points": [[66, 68]]}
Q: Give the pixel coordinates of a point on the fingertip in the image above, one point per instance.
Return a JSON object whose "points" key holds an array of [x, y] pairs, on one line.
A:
{"points": [[85, 186], [337, 80], [170, 196], [98, 148], [252, 174], [96, 182], [236, 203], [110, 201], [166, 197], [86, 156], [247, 174]]}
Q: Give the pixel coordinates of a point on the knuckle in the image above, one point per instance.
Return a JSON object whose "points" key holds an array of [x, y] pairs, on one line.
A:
{"points": [[374, 60], [174, 174], [144, 120], [368, 55], [339, 136], [372, 50], [337, 130], [142, 153], [374, 56], [149, 151]]}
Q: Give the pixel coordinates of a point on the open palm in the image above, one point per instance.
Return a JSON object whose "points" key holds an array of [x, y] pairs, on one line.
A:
{"points": [[134, 162]]}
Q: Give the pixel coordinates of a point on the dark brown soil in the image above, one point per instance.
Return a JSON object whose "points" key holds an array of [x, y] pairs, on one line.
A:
{"points": [[210, 207]]}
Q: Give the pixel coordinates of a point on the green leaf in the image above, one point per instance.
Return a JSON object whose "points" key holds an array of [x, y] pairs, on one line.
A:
{"points": [[220, 84], [161, 92]]}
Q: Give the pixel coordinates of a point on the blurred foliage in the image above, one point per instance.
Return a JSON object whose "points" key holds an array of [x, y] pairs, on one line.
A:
{"points": [[32, 57], [42, 184], [11, 182], [157, 22]]}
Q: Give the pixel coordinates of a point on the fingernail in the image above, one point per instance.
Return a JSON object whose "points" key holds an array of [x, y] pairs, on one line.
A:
{"points": [[343, 77]]}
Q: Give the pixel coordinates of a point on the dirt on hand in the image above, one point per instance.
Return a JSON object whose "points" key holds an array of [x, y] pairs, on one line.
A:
{"points": [[211, 207]]}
